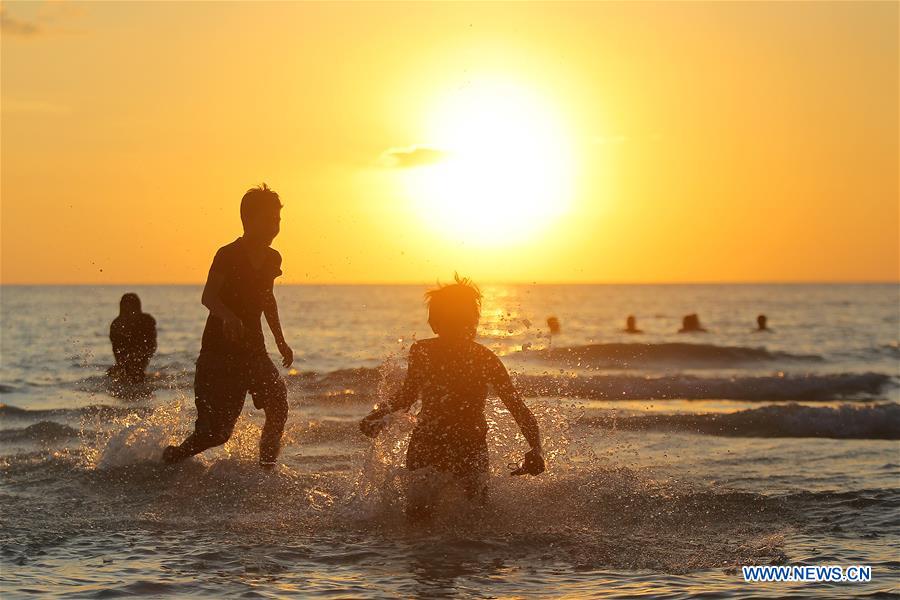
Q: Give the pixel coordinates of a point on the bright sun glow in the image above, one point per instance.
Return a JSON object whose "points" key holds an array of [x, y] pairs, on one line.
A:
{"points": [[507, 166]]}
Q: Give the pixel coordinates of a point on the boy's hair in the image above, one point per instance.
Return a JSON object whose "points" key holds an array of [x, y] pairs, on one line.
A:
{"points": [[454, 309], [258, 199]]}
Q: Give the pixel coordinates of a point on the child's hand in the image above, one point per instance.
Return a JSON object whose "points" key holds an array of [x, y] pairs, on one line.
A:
{"points": [[287, 355], [372, 425], [532, 465]]}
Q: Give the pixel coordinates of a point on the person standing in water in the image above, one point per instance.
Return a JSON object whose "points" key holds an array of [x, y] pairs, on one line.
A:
{"points": [[133, 337], [631, 325], [554, 326], [233, 358], [691, 324], [762, 323], [451, 373]]}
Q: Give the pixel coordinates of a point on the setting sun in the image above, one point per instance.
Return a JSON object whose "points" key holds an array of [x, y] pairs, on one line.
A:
{"points": [[504, 169]]}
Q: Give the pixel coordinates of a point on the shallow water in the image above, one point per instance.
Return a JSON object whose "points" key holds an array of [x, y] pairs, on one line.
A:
{"points": [[672, 459]]}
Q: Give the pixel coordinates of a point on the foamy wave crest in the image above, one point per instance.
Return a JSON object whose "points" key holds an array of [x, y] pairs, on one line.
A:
{"points": [[824, 387], [623, 356], [872, 422]]}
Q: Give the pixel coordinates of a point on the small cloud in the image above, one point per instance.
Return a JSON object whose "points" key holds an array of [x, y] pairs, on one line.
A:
{"points": [[413, 156], [43, 18], [10, 25], [40, 107]]}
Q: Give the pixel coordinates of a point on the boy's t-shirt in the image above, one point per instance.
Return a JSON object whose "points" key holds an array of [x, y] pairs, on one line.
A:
{"points": [[243, 291]]}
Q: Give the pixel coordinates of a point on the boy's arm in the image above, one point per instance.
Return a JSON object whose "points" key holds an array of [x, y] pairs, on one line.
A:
{"points": [[270, 309], [511, 398], [211, 299], [372, 424]]}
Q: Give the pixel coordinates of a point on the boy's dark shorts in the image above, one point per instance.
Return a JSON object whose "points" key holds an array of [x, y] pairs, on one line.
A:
{"points": [[459, 454], [221, 383]]}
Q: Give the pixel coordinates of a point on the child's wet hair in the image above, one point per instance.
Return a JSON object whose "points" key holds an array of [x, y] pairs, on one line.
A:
{"points": [[258, 199], [454, 309]]}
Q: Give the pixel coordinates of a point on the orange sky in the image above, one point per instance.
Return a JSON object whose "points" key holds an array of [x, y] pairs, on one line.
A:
{"points": [[701, 142]]}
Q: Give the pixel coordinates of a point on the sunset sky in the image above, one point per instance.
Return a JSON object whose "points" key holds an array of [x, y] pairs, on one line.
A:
{"points": [[606, 142]]}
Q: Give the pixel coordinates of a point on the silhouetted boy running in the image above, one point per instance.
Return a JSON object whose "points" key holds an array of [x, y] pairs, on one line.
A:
{"points": [[452, 373], [233, 358]]}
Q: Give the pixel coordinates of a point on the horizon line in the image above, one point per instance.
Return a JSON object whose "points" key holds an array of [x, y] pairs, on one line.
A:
{"points": [[486, 282]]}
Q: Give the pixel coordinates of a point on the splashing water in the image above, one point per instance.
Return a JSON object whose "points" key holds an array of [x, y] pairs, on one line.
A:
{"points": [[587, 509]]}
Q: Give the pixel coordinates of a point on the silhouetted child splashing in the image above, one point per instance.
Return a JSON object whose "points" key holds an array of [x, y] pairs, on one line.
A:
{"points": [[233, 358], [451, 373]]}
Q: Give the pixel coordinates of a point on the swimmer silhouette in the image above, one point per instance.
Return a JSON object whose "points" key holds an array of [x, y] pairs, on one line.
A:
{"points": [[133, 337], [762, 323], [452, 373], [631, 325], [233, 359], [691, 324], [553, 325]]}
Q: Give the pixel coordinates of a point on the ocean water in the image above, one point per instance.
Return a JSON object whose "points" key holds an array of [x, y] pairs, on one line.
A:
{"points": [[673, 459]]}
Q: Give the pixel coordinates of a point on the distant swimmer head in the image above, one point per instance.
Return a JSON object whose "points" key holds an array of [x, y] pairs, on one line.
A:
{"points": [[454, 309], [261, 213], [631, 325], [690, 323], [130, 304], [553, 325], [761, 322]]}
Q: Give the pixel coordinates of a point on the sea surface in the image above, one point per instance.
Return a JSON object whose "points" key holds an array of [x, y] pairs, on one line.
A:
{"points": [[673, 459]]}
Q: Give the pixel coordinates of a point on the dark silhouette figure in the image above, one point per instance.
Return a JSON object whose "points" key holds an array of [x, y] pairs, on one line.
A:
{"points": [[631, 325], [553, 325], [233, 358], [451, 373], [133, 337], [691, 324], [762, 323]]}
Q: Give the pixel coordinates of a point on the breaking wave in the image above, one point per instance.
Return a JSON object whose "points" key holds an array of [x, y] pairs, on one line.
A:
{"points": [[818, 387], [360, 384], [623, 356], [872, 422]]}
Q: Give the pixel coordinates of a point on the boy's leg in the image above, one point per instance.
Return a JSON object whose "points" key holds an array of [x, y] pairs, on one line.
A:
{"points": [[269, 394], [219, 391]]}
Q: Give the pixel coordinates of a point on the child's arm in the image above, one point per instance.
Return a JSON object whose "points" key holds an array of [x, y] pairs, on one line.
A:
{"points": [[514, 404], [503, 386], [372, 424], [270, 309], [232, 325]]}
